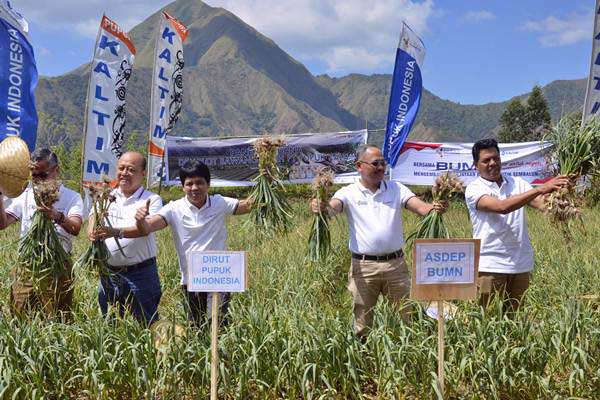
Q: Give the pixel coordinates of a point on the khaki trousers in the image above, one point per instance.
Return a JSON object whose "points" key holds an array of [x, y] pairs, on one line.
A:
{"points": [[369, 279], [25, 298], [510, 288]]}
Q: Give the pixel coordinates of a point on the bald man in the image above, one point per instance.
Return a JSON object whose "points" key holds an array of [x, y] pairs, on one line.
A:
{"points": [[133, 284]]}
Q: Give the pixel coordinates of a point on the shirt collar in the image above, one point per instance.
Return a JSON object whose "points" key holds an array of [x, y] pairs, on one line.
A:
{"points": [[207, 203], [136, 195], [383, 186], [493, 184]]}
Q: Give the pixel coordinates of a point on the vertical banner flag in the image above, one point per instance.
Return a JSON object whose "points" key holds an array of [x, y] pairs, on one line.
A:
{"points": [[405, 95], [591, 104], [167, 92], [18, 78], [105, 107]]}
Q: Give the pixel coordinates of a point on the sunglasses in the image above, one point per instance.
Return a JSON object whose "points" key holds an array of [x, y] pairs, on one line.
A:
{"points": [[375, 164]]}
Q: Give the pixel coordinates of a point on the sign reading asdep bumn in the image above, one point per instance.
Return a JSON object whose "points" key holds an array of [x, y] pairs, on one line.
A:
{"points": [[217, 271], [445, 263], [445, 269]]}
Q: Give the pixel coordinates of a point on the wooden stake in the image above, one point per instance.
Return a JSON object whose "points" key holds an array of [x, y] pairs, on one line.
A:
{"points": [[441, 328], [214, 352]]}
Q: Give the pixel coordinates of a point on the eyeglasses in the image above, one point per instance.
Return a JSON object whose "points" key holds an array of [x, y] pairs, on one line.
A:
{"points": [[39, 175], [375, 164]]}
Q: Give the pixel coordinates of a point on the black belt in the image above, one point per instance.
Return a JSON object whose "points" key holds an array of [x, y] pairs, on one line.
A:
{"points": [[128, 268], [382, 257]]}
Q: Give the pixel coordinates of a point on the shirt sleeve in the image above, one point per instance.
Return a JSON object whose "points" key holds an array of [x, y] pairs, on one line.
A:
{"points": [[155, 204], [167, 213], [405, 194], [473, 193], [341, 195], [525, 186], [15, 208], [76, 207], [230, 204]]}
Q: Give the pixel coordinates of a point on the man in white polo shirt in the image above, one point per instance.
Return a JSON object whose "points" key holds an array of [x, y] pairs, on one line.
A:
{"points": [[495, 204], [67, 216], [374, 207], [134, 283], [198, 224]]}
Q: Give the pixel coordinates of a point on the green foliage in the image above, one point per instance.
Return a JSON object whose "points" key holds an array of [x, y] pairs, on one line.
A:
{"points": [[290, 334], [513, 122], [538, 118], [525, 123], [69, 162]]}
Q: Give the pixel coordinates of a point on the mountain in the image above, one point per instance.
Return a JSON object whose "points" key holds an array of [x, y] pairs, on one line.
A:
{"points": [[239, 82], [439, 119]]}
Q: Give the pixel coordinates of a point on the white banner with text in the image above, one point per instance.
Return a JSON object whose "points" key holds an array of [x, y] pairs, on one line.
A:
{"points": [[421, 162]]}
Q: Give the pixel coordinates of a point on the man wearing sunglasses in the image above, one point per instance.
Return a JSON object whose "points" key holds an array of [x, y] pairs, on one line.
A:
{"points": [[373, 207], [67, 216]]}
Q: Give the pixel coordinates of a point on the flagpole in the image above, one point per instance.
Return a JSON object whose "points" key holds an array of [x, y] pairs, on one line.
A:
{"points": [[85, 116], [586, 100], [149, 172]]}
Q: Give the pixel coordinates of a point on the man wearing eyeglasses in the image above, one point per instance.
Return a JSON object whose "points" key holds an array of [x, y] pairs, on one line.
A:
{"points": [[67, 216], [373, 207]]}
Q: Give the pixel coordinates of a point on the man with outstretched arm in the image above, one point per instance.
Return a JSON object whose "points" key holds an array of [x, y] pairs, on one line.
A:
{"points": [[374, 207], [495, 204], [198, 224]]}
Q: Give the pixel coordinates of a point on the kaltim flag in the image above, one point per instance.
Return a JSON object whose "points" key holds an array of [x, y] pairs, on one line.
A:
{"points": [[591, 105], [105, 115], [405, 95], [18, 78], [167, 93]]}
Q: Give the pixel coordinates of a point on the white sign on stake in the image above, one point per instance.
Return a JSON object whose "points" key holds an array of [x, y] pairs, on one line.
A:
{"points": [[445, 263], [217, 271]]}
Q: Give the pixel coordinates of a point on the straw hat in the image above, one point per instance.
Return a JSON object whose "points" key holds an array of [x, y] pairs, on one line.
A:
{"points": [[14, 166]]}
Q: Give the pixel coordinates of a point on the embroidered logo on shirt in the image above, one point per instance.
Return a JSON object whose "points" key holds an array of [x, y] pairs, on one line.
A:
{"points": [[362, 202]]}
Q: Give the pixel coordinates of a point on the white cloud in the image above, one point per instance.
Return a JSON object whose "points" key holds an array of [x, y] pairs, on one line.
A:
{"points": [[556, 32], [346, 36], [478, 16], [43, 51], [83, 16]]}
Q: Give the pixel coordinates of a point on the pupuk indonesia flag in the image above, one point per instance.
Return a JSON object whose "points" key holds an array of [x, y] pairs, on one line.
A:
{"points": [[405, 95]]}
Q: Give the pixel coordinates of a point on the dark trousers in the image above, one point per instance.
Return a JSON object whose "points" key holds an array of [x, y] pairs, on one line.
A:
{"points": [[197, 306], [136, 290]]}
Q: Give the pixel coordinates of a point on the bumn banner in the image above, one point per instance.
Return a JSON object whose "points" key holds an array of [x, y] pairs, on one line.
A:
{"points": [[232, 161], [105, 118], [420, 162]]}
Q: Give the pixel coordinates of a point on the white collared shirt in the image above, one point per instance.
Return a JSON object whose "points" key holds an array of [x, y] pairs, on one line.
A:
{"points": [[505, 245], [198, 229], [121, 214], [375, 219], [69, 203]]}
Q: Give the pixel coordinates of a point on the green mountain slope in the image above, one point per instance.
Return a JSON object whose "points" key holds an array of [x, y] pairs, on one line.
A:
{"points": [[239, 82], [439, 119]]}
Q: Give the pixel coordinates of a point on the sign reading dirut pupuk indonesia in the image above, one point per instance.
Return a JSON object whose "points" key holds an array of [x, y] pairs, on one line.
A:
{"points": [[217, 271]]}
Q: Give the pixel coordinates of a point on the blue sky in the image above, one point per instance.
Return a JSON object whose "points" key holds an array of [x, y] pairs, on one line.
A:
{"points": [[477, 51]]}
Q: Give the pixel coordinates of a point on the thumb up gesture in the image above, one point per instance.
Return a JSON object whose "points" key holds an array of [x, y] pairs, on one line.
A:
{"points": [[142, 212]]}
